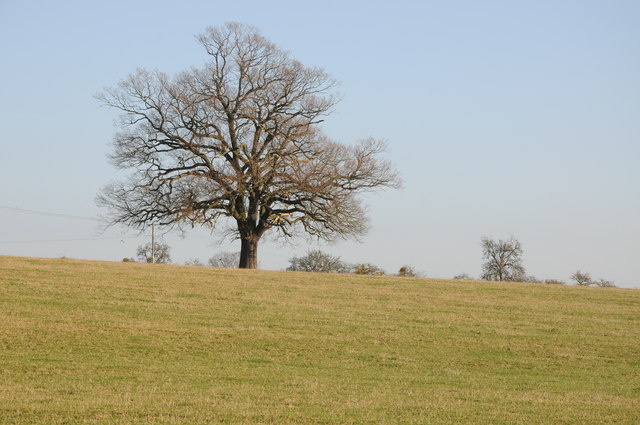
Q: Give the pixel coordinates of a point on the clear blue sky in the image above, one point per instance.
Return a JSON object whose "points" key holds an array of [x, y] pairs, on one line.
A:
{"points": [[505, 118]]}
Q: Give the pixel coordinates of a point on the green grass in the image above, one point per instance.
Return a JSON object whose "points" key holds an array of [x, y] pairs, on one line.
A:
{"points": [[114, 343]]}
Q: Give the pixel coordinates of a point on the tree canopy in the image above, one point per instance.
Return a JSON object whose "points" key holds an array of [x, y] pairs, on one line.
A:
{"points": [[239, 138]]}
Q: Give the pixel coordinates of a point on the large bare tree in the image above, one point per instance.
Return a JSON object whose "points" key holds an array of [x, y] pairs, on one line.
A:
{"points": [[239, 138]]}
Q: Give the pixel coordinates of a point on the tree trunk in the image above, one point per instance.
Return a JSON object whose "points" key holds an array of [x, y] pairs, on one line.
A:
{"points": [[249, 253]]}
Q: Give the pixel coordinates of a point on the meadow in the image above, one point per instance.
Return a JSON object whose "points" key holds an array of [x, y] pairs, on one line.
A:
{"points": [[85, 342]]}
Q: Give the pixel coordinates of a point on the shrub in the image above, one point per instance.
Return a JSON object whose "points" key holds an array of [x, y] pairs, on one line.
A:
{"points": [[368, 269], [318, 261], [528, 279], [604, 283], [408, 271]]}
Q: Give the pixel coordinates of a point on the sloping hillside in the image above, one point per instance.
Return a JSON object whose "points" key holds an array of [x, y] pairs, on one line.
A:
{"points": [[114, 343]]}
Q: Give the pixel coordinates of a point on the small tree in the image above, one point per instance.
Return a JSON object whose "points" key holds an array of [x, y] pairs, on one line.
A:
{"points": [[408, 271], [582, 279], [462, 276], [368, 269], [225, 259], [162, 255], [502, 260], [318, 261]]}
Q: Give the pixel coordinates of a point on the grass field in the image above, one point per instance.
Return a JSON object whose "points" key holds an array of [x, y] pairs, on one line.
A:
{"points": [[115, 343]]}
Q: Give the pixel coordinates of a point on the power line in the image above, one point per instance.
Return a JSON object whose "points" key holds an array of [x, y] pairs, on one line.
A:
{"points": [[52, 214], [80, 217], [66, 240], [47, 213]]}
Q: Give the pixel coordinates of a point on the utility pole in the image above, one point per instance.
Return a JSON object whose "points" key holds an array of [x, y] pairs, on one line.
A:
{"points": [[153, 243]]}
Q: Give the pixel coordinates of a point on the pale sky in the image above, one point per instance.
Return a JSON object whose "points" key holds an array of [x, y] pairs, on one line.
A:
{"points": [[504, 118]]}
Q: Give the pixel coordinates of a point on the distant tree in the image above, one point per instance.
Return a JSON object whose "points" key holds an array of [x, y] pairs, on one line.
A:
{"points": [[604, 283], [128, 260], [502, 260], [193, 262], [554, 282], [528, 279], [225, 259], [462, 276], [584, 279], [408, 271], [318, 261], [238, 141], [162, 253], [368, 269]]}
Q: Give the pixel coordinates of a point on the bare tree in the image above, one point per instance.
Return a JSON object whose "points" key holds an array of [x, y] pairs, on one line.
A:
{"points": [[162, 253], [225, 259], [502, 260], [318, 261], [462, 276], [584, 279], [239, 138]]}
